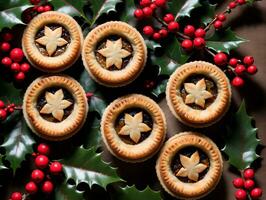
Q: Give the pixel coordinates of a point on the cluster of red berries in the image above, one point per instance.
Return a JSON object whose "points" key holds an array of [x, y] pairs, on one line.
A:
{"points": [[195, 38], [238, 67], [6, 110], [13, 59], [41, 177], [30, 13], [246, 186], [148, 7]]}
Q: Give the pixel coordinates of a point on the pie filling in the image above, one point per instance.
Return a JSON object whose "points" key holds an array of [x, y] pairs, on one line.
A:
{"points": [[190, 164], [114, 52], [198, 91], [55, 104], [134, 125], [52, 40]]}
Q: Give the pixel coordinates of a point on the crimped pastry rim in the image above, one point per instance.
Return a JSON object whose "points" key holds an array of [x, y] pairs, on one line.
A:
{"points": [[188, 115], [170, 182], [49, 130], [144, 150], [58, 63], [121, 77]]}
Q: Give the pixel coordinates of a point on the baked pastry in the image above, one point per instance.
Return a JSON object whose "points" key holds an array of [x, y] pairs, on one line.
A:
{"points": [[198, 94], [52, 41], [55, 107], [114, 54], [133, 128], [189, 166]]}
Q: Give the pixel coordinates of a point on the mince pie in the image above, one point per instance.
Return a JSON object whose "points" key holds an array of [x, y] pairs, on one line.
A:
{"points": [[133, 128], [55, 107], [189, 166], [114, 54], [198, 94], [52, 41]]}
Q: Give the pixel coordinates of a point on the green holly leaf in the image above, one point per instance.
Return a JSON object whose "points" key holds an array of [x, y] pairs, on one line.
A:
{"points": [[100, 7], [152, 44], [67, 192], [127, 14], [85, 165], [241, 141], [132, 193], [93, 136], [224, 41], [18, 143], [207, 13], [5, 5], [160, 88], [183, 8], [2, 166]]}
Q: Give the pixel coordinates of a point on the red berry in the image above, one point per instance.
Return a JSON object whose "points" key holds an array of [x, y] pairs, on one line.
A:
{"points": [[6, 61], [249, 184], [10, 110], [2, 104], [7, 36], [189, 30], [41, 161], [16, 196], [252, 69], [199, 42], [241, 194], [35, 2], [5, 47], [15, 67], [138, 13], [47, 8], [163, 33], [31, 187], [153, 6], [3, 114], [47, 187], [169, 18], [233, 62], [249, 174], [241, 2], [147, 11], [218, 24], [145, 3], [238, 182], [25, 67], [16, 54], [148, 30], [248, 60], [160, 3], [37, 175], [240, 69], [220, 59], [40, 9], [55, 168], [238, 82], [156, 36], [187, 44], [256, 193], [232, 5], [221, 17], [43, 149], [200, 32], [20, 76], [173, 26]]}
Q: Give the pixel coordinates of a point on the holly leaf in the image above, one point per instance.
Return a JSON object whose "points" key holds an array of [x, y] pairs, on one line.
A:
{"points": [[96, 101], [224, 41], [132, 193], [68, 192], [127, 14], [160, 88], [241, 141], [2, 166], [183, 8], [85, 165], [93, 136], [100, 7], [152, 44], [18, 144], [207, 13], [5, 5]]}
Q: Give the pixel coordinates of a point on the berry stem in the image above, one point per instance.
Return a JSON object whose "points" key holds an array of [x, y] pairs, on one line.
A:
{"points": [[216, 17], [209, 51], [159, 20]]}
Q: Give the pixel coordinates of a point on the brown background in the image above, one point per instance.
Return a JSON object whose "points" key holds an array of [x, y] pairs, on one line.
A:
{"points": [[247, 22]]}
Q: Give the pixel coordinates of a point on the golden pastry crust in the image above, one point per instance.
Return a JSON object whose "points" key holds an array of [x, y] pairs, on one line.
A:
{"points": [[118, 77], [63, 129], [143, 150], [57, 63], [185, 113], [171, 183]]}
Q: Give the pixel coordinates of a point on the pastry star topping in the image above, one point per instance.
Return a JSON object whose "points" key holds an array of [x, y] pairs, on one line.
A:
{"points": [[55, 104], [197, 93], [114, 53], [134, 126], [191, 167], [52, 39]]}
